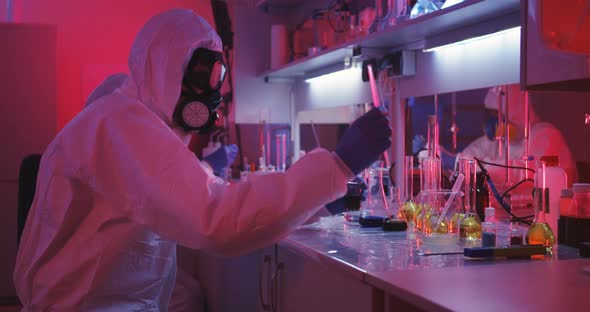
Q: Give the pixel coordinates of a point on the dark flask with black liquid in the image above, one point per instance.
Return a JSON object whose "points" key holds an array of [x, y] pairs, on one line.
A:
{"points": [[482, 194]]}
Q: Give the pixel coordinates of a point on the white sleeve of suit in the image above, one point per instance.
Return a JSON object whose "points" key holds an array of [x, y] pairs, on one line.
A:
{"points": [[161, 184]]}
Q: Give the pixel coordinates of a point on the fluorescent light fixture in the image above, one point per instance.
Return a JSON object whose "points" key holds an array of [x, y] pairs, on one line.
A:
{"points": [[507, 32], [337, 76]]}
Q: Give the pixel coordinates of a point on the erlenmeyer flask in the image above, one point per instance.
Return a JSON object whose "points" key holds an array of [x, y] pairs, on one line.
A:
{"points": [[540, 232], [375, 209], [470, 225]]}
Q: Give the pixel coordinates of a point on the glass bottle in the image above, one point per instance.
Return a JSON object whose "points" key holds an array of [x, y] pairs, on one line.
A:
{"points": [[353, 199], [375, 209], [482, 194], [488, 228], [515, 234], [540, 232], [470, 225]]}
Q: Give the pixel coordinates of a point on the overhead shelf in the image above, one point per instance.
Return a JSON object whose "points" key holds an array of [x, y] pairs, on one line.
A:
{"points": [[460, 18]]}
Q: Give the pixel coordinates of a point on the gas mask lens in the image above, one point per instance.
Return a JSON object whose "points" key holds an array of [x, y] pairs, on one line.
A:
{"points": [[217, 75], [206, 71]]}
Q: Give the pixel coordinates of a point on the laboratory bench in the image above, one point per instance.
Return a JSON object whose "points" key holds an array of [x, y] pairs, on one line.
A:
{"points": [[334, 265]]}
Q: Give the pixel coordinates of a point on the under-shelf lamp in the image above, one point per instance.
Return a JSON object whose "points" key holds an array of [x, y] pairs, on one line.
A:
{"points": [[478, 40], [351, 69], [337, 76]]}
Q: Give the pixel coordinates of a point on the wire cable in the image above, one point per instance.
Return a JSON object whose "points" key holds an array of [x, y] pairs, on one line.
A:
{"points": [[497, 196]]}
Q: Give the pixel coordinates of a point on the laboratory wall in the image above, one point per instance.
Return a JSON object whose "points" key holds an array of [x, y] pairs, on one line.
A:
{"points": [[254, 98], [28, 121], [566, 110], [94, 38], [53, 55]]}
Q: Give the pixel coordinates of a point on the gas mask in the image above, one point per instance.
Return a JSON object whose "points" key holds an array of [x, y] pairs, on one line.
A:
{"points": [[494, 131], [200, 94]]}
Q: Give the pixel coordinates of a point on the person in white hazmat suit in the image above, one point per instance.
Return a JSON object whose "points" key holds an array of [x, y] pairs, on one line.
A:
{"points": [[187, 294], [118, 188], [544, 139]]}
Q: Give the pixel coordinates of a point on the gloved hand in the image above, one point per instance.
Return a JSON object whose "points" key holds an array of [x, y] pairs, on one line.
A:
{"points": [[364, 141], [418, 144], [447, 159], [222, 158]]}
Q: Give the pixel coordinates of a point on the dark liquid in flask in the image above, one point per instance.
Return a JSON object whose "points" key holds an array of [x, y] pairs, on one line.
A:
{"points": [[371, 221]]}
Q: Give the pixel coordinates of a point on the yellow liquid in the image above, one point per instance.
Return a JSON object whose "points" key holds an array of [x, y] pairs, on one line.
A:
{"points": [[427, 222], [443, 228], [455, 222], [420, 217], [470, 228], [539, 233], [410, 211]]}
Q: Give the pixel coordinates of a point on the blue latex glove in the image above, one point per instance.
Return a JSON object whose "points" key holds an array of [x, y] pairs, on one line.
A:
{"points": [[364, 141], [418, 144], [447, 160], [490, 127], [222, 158]]}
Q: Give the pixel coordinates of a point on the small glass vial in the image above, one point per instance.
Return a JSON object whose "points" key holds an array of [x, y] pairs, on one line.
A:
{"points": [[515, 234], [488, 228]]}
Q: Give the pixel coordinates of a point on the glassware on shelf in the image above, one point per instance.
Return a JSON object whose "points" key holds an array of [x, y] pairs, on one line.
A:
{"points": [[423, 7], [403, 9], [375, 209], [540, 232]]}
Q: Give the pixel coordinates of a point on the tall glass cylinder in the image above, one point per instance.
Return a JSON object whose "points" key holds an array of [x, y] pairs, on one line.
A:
{"points": [[431, 136], [470, 224], [430, 169], [408, 178], [409, 209], [540, 232]]}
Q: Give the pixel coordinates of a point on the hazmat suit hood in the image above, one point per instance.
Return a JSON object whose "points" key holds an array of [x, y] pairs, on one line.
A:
{"points": [[160, 54], [516, 105], [108, 86]]}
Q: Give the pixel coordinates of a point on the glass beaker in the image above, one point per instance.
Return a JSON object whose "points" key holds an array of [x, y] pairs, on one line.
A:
{"points": [[445, 204], [375, 209], [540, 232], [430, 181], [353, 200], [470, 224]]}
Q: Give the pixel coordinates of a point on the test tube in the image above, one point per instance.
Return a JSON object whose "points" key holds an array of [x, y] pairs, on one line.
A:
{"points": [[281, 151]]}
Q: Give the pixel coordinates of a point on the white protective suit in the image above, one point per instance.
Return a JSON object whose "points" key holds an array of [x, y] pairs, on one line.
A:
{"points": [[544, 139], [187, 294], [118, 188], [107, 86]]}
